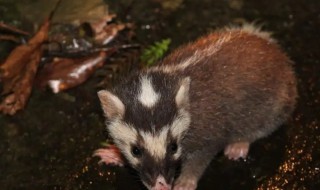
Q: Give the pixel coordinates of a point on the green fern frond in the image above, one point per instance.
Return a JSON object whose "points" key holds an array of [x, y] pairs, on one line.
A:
{"points": [[153, 53]]}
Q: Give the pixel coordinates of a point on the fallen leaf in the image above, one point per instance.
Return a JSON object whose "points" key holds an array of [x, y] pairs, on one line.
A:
{"points": [[18, 71], [65, 73]]}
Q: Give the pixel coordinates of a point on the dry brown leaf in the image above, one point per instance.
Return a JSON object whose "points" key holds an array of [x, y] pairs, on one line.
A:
{"points": [[65, 73], [18, 71]]}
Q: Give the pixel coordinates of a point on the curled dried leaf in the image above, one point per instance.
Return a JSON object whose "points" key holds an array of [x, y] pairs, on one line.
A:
{"points": [[17, 73], [65, 73]]}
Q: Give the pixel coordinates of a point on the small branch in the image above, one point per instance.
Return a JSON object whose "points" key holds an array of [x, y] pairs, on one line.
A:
{"points": [[77, 54], [9, 38], [13, 29]]}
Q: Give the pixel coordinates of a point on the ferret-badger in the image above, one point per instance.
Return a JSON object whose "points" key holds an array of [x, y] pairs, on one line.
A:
{"points": [[221, 92]]}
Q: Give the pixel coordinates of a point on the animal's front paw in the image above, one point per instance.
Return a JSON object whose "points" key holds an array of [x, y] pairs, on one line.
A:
{"points": [[185, 184], [109, 155], [237, 150]]}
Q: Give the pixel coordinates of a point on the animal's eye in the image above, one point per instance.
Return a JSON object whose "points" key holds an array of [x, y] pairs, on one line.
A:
{"points": [[136, 151], [173, 147]]}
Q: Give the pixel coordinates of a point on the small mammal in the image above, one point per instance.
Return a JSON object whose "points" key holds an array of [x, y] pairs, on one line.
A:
{"points": [[221, 92]]}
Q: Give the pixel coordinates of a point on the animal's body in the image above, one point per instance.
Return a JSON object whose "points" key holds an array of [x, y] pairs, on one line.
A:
{"points": [[223, 91]]}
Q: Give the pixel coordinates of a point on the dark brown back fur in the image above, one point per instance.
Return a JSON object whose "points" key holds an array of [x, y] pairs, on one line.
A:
{"points": [[243, 91]]}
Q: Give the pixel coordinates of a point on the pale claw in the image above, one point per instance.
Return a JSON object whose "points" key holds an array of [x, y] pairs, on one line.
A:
{"points": [[237, 150], [109, 156]]}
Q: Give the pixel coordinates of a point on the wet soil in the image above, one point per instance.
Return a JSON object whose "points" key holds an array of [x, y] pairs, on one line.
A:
{"points": [[49, 145]]}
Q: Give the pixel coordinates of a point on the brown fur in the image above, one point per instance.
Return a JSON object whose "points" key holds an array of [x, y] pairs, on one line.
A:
{"points": [[242, 92]]}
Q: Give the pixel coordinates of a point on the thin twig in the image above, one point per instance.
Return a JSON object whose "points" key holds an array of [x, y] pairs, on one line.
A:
{"points": [[4, 26], [54, 9], [84, 53], [9, 38]]}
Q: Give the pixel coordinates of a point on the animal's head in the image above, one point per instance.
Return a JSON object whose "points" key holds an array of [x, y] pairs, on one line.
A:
{"points": [[147, 117]]}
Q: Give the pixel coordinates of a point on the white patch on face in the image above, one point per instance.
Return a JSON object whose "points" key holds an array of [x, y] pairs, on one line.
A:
{"points": [[156, 143], [147, 96], [124, 136]]}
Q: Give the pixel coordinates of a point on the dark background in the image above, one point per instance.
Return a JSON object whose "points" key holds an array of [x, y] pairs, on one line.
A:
{"points": [[49, 145]]}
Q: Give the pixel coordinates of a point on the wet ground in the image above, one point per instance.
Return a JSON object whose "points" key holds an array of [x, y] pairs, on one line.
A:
{"points": [[49, 144]]}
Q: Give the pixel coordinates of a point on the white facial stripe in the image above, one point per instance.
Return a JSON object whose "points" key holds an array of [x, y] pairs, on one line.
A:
{"points": [[156, 144], [148, 97], [124, 135]]}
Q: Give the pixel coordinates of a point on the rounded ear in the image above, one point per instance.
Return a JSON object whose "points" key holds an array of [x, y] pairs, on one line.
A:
{"points": [[182, 96], [111, 105]]}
